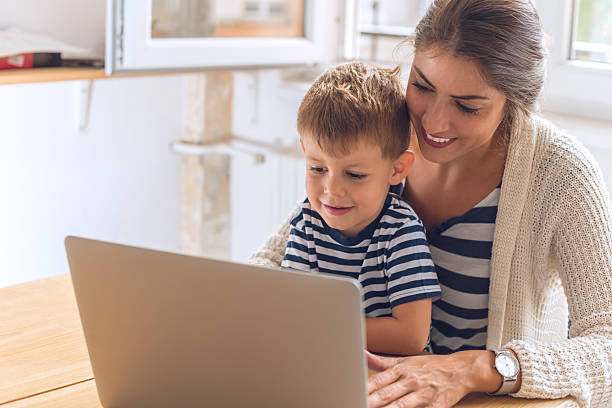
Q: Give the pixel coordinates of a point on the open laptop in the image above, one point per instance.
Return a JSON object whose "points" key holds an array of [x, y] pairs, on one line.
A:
{"points": [[169, 330]]}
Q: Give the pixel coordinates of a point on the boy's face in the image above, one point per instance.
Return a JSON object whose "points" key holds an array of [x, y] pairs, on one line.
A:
{"points": [[349, 191]]}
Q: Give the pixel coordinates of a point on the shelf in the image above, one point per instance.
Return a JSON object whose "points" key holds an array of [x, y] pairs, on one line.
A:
{"points": [[32, 75], [26, 76]]}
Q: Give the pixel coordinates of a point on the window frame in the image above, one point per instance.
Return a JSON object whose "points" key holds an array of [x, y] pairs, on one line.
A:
{"points": [[573, 87], [327, 28]]}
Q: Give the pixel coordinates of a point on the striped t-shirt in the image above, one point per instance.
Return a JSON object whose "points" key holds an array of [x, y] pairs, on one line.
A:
{"points": [[389, 257], [461, 250]]}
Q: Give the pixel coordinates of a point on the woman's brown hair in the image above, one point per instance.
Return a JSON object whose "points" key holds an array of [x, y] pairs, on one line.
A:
{"points": [[505, 40]]}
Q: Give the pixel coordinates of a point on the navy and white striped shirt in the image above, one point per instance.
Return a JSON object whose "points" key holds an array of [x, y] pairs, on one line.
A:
{"points": [[461, 250], [390, 257]]}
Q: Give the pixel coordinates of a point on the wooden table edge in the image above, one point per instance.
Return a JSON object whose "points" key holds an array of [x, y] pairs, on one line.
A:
{"points": [[37, 394]]}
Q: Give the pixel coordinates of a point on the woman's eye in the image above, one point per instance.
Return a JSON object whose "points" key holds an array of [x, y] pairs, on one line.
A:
{"points": [[463, 108], [356, 176], [420, 87], [317, 170]]}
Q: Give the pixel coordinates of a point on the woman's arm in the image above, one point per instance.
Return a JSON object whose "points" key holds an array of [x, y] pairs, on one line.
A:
{"points": [[273, 251], [582, 249]]}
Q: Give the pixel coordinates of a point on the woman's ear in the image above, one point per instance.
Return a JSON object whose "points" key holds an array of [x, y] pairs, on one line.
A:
{"points": [[401, 167]]}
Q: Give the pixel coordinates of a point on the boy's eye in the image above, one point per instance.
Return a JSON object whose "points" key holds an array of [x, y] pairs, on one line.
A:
{"points": [[317, 170], [463, 108], [355, 176], [420, 87]]}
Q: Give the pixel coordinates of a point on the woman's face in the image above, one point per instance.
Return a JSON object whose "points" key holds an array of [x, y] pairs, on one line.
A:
{"points": [[453, 110]]}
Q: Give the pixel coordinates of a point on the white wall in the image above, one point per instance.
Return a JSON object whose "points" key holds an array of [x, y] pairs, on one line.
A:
{"points": [[596, 135], [77, 22], [263, 195], [117, 181]]}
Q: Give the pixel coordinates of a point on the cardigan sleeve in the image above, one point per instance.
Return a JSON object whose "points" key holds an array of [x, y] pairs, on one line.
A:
{"points": [[273, 251], [580, 366]]}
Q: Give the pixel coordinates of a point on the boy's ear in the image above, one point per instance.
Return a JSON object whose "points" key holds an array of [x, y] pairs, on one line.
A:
{"points": [[402, 166], [302, 146]]}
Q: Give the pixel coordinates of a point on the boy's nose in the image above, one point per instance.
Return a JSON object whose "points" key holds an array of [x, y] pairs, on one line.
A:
{"points": [[334, 187]]}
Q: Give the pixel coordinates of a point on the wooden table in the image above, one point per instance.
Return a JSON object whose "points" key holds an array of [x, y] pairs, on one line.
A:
{"points": [[44, 360]]}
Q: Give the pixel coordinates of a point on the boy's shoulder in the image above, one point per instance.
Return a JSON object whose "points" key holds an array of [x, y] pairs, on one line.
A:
{"points": [[399, 209], [305, 213]]}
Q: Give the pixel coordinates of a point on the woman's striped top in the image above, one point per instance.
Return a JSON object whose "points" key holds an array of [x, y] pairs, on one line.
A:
{"points": [[461, 250]]}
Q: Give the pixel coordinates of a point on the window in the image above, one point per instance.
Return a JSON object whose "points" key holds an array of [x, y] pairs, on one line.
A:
{"points": [[580, 72], [148, 35], [592, 39], [227, 18], [385, 24]]}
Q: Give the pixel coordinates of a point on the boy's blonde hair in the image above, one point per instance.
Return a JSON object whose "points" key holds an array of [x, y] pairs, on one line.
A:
{"points": [[356, 101]]}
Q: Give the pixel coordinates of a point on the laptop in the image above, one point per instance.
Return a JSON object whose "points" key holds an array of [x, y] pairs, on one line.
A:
{"points": [[170, 330]]}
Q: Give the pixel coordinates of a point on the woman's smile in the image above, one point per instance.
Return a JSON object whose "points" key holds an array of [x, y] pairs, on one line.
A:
{"points": [[435, 141]]}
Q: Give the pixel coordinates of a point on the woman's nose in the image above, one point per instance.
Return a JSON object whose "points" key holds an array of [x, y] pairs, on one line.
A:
{"points": [[435, 118]]}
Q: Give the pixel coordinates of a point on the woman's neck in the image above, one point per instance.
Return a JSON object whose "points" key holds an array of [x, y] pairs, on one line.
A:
{"points": [[439, 191]]}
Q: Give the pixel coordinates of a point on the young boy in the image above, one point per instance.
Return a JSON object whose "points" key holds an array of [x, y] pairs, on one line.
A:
{"points": [[354, 130]]}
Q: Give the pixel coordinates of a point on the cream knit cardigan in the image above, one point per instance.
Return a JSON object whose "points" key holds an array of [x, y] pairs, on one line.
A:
{"points": [[553, 237]]}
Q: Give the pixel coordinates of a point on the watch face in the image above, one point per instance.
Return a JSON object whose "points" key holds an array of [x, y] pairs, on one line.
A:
{"points": [[506, 365]]}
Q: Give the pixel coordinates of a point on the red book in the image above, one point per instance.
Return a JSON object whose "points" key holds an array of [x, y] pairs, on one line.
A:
{"points": [[31, 60]]}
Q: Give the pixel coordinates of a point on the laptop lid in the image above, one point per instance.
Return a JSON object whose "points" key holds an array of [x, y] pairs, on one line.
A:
{"points": [[165, 329]]}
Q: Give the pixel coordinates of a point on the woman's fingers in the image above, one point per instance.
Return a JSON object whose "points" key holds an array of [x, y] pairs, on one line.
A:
{"points": [[414, 400], [380, 363], [381, 380], [409, 393], [419, 381], [387, 387]]}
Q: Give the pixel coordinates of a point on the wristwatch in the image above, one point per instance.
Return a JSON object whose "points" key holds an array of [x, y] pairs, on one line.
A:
{"points": [[508, 366]]}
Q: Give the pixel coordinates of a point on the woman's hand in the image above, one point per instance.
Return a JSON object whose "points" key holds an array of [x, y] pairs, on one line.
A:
{"points": [[430, 380]]}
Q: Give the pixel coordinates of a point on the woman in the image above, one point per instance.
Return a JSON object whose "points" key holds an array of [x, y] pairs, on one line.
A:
{"points": [[518, 220]]}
